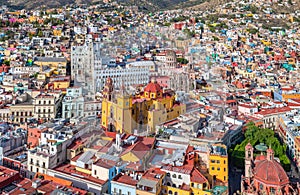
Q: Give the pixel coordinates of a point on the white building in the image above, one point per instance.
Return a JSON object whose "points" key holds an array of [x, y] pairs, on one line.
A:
{"points": [[46, 156], [89, 73], [25, 69], [85, 61], [73, 103], [123, 76]]}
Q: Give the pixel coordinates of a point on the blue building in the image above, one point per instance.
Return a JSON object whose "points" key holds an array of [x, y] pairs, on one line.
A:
{"points": [[124, 184]]}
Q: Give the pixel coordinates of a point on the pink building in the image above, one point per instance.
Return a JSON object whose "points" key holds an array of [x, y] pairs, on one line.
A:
{"points": [[163, 81]]}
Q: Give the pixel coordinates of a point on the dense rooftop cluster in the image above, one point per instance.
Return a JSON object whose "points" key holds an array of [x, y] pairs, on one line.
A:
{"points": [[108, 99]]}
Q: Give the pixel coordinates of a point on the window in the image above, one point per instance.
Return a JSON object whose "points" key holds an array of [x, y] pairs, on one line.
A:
{"points": [[192, 184], [218, 161], [213, 161], [174, 175], [120, 191], [224, 169], [179, 177], [212, 168], [218, 168], [224, 161], [170, 192], [224, 177], [95, 172]]}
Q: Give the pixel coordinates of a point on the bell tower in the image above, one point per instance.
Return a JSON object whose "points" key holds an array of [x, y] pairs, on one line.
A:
{"points": [[106, 104], [108, 89], [248, 160], [270, 154]]}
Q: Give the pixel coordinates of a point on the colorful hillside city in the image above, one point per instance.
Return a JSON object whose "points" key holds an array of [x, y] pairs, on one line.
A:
{"points": [[109, 98]]}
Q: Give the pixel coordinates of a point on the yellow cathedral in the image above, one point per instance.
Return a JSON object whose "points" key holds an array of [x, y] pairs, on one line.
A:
{"points": [[141, 112]]}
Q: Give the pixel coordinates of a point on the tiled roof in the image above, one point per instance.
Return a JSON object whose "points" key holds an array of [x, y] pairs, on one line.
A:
{"points": [[153, 87], [270, 172], [70, 170], [139, 149], [274, 110], [125, 179], [197, 177]]}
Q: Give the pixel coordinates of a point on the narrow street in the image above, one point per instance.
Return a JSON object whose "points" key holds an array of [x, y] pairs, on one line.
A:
{"points": [[234, 179]]}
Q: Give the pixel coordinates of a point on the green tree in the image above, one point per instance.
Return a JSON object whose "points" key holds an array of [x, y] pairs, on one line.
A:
{"points": [[256, 135], [182, 60], [40, 33], [6, 62]]}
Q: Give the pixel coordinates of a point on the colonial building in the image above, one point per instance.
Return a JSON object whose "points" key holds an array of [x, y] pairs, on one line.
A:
{"points": [[264, 175], [73, 103], [218, 162], [140, 112], [45, 106]]}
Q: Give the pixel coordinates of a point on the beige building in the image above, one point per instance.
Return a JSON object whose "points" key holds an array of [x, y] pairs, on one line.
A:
{"points": [[21, 108], [5, 114], [21, 112], [45, 106]]}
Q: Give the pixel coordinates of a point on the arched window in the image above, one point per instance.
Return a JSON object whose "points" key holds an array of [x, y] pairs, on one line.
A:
{"points": [[170, 192], [175, 193], [174, 185]]}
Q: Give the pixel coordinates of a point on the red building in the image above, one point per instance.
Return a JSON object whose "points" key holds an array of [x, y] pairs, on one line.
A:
{"points": [[4, 68], [264, 175], [179, 25], [7, 176]]}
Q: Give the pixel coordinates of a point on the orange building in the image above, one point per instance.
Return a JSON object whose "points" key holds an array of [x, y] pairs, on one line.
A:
{"points": [[34, 134]]}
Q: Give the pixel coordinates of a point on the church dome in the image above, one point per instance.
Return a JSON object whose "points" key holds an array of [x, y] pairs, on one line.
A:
{"points": [[153, 87], [270, 172]]}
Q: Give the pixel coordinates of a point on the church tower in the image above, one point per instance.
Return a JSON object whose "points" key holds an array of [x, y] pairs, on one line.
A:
{"points": [[107, 108], [124, 111], [108, 89], [248, 160]]}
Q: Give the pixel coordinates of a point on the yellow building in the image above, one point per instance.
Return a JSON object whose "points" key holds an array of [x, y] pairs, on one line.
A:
{"points": [[247, 74], [173, 190], [57, 63], [287, 96], [218, 162], [122, 112], [32, 19], [56, 32]]}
